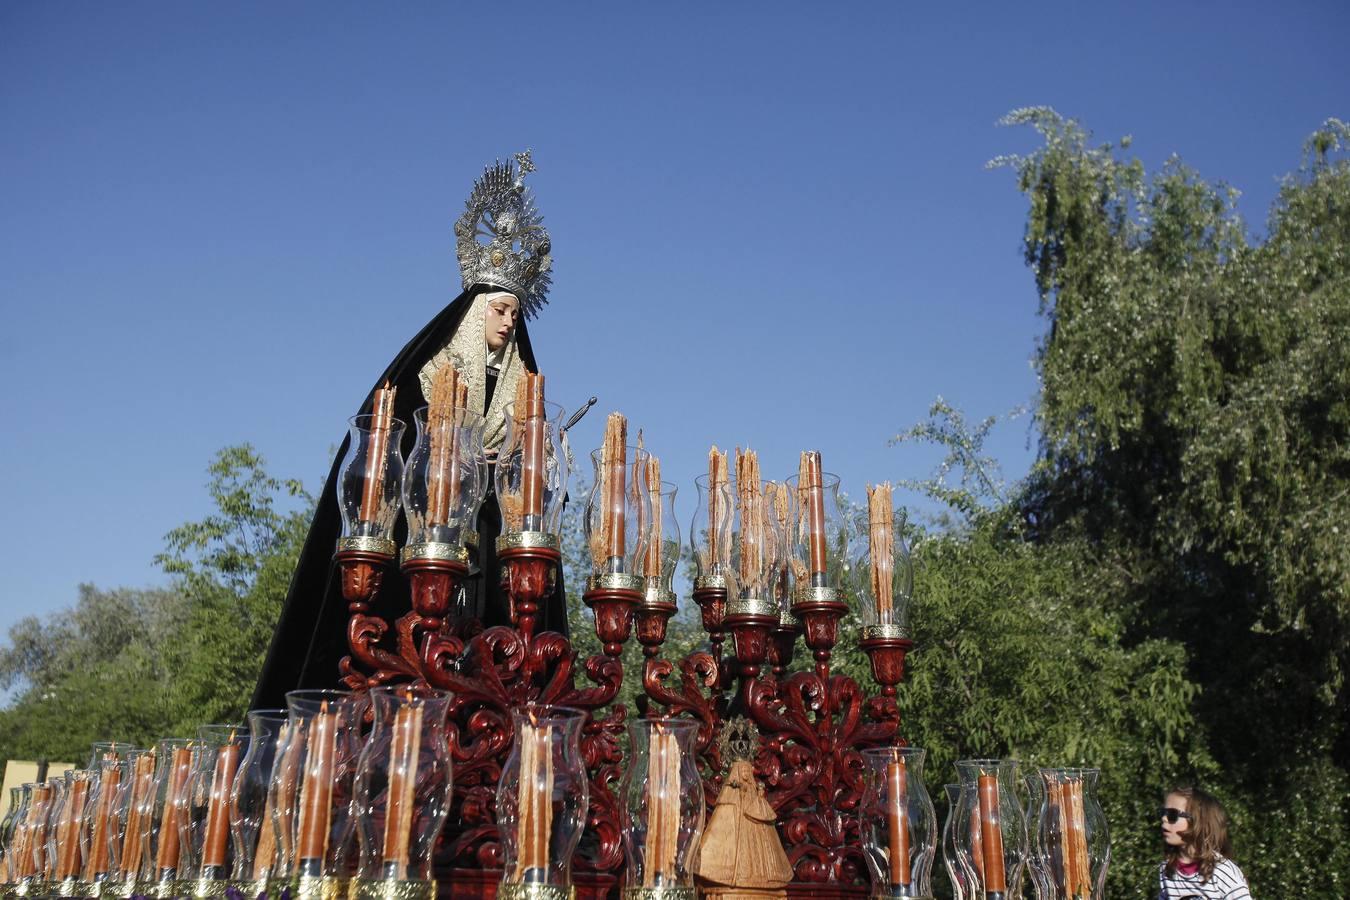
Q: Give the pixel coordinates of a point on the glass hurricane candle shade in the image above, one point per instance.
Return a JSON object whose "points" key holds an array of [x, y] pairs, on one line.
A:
{"points": [[98, 834], [663, 809], [542, 798], [445, 477], [204, 827], [820, 536], [618, 516], [370, 478], [64, 837], [532, 470], [754, 548], [313, 780], [51, 824], [402, 787], [899, 824], [1072, 838], [782, 511], [135, 812], [958, 872], [7, 832], [990, 829], [19, 852], [887, 584], [251, 803], [710, 532], [663, 546], [174, 758], [1033, 793]]}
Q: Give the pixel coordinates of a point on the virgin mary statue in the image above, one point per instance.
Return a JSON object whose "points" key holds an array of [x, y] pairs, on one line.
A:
{"points": [[481, 333]]}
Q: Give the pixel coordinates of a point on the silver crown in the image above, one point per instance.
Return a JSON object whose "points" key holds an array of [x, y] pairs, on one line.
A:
{"points": [[515, 255]]}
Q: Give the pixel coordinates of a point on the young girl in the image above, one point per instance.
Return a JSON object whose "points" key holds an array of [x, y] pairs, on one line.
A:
{"points": [[1195, 850]]}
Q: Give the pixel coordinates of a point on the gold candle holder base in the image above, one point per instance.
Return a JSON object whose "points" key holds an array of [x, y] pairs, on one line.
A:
{"points": [[391, 889], [752, 606], [367, 544], [280, 888], [514, 891], [528, 540], [670, 892], [615, 581], [434, 550], [322, 887], [808, 594]]}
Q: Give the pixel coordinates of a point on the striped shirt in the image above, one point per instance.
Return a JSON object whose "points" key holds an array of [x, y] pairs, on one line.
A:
{"points": [[1227, 883]]}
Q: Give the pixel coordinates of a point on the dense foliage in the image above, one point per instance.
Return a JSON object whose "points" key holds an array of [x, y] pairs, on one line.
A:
{"points": [[1167, 596], [139, 665], [1195, 423]]}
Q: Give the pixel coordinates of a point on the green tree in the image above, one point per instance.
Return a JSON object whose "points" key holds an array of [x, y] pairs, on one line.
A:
{"points": [[1195, 422], [138, 665], [234, 567], [92, 672], [1016, 654]]}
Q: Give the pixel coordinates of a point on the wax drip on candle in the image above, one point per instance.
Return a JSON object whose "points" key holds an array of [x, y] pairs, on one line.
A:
{"points": [[719, 531], [532, 487], [636, 477], [445, 415], [535, 802], [881, 546], [663, 808], [400, 810], [382, 415], [811, 497], [607, 545], [750, 500], [653, 566]]}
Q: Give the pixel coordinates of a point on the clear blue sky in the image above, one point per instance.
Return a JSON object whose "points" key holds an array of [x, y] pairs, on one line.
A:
{"points": [[772, 222]]}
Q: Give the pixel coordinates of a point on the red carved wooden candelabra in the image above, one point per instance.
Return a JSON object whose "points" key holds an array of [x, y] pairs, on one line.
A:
{"points": [[813, 724]]}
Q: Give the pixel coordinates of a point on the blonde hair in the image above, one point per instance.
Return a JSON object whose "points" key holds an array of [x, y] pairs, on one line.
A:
{"points": [[1205, 839]]}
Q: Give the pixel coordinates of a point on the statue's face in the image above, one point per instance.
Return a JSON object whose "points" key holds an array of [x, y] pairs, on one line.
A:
{"points": [[500, 321]]}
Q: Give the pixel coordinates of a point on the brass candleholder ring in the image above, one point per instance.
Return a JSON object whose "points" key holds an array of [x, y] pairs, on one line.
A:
{"points": [[391, 889], [434, 550], [71, 887], [805, 594], [320, 887], [751, 606], [711, 583], [209, 887], [528, 540], [378, 545], [535, 892], [615, 581], [670, 892]]}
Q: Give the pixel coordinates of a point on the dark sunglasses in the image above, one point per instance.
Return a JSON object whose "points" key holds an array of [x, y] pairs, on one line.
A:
{"points": [[1171, 815]]}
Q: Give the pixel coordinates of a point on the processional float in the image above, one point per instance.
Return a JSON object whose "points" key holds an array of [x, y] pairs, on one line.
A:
{"points": [[474, 763], [469, 762]]}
